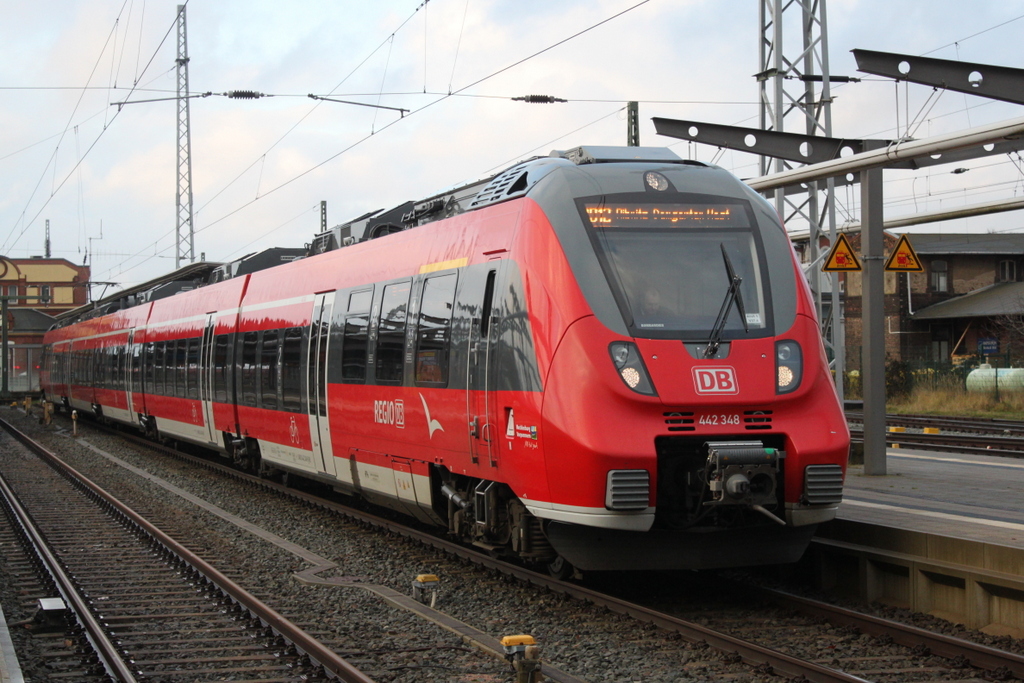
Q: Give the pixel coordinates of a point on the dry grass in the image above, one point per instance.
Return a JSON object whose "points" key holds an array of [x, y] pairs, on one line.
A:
{"points": [[958, 402]]}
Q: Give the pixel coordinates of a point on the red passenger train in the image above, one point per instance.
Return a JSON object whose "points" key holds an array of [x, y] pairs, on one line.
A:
{"points": [[607, 358]]}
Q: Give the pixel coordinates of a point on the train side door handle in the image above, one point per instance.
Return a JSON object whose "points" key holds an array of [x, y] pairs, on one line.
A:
{"points": [[480, 431]]}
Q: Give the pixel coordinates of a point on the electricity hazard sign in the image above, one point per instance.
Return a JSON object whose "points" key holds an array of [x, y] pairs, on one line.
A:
{"points": [[903, 258], [841, 258]]}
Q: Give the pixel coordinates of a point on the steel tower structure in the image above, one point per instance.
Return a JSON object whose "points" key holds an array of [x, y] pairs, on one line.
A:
{"points": [[795, 89], [185, 244]]}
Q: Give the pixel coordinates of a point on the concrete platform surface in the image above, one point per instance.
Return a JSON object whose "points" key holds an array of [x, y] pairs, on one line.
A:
{"points": [[975, 497]]}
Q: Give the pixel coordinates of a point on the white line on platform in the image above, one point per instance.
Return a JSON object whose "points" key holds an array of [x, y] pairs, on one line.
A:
{"points": [[937, 515], [934, 458]]}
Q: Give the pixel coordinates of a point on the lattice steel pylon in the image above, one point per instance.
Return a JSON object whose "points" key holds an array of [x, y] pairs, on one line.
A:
{"points": [[805, 104], [185, 239]]}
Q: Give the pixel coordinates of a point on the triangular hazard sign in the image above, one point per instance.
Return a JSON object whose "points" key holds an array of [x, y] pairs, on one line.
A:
{"points": [[903, 258], [841, 258]]}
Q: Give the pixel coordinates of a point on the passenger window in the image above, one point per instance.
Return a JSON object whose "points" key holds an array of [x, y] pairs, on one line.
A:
{"points": [[391, 333], [433, 333], [220, 368], [249, 368], [360, 301], [158, 356], [268, 369], [354, 346], [180, 366], [193, 368], [291, 370]]}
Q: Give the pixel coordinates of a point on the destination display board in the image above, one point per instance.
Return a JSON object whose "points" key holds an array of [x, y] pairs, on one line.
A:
{"points": [[638, 215]]}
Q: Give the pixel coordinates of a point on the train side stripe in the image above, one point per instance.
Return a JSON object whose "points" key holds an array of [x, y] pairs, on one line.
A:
{"points": [[444, 265]]}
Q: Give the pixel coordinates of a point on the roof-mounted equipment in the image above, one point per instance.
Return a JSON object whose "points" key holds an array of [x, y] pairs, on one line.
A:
{"points": [[610, 155]]}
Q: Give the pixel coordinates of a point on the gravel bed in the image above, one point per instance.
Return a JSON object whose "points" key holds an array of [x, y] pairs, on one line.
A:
{"points": [[581, 639]]}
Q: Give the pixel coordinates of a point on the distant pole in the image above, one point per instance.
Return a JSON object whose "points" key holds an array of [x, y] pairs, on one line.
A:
{"points": [[4, 392], [46, 248], [873, 317], [185, 240], [633, 124]]}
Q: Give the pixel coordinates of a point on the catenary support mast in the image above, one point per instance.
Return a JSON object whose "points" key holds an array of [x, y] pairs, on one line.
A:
{"points": [[795, 88], [185, 246]]}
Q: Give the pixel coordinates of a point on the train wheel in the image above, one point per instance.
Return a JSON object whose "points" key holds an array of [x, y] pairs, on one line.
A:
{"points": [[560, 568]]}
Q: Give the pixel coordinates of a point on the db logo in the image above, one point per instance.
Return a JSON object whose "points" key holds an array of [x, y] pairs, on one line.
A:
{"points": [[715, 381]]}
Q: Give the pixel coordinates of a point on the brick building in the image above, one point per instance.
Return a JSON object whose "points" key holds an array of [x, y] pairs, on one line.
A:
{"points": [[36, 290], [957, 307]]}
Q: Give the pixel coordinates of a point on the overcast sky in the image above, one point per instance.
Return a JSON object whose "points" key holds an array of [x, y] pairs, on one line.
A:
{"points": [[105, 176]]}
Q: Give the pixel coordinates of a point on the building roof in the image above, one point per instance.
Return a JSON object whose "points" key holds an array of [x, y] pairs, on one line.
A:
{"points": [[945, 244], [1002, 298], [967, 243], [28, 320]]}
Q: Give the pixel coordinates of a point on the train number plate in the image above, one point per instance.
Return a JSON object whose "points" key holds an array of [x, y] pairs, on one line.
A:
{"points": [[719, 419]]}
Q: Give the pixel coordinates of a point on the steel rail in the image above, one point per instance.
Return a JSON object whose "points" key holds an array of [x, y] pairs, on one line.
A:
{"points": [[107, 652], [978, 655], [961, 443], [1005, 427], [303, 642], [981, 656], [751, 653]]}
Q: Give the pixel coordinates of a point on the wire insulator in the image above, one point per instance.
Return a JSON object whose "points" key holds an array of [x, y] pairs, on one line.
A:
{"points": [[244, 94], [539, 99]]}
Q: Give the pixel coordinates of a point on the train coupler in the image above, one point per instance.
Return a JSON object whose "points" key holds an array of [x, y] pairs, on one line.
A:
{"points": [[742, 473]]}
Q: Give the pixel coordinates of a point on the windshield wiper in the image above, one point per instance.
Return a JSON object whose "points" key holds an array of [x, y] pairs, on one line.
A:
{"points": [[732, 296]]}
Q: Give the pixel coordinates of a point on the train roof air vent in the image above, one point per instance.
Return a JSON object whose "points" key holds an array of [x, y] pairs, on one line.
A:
{"points": [[607, 155], [514, 182]]}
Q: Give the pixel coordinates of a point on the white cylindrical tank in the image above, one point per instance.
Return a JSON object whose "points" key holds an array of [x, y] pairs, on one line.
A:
{"points": [[983, 379]]}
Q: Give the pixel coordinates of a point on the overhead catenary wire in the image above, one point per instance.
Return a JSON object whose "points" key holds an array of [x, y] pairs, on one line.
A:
{"points": [[262, 158], [363, 139], [309, 112], [458, 46], [7, 245]]}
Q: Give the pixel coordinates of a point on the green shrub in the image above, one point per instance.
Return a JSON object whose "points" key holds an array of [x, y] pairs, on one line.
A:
{"points": [[898, 379]]}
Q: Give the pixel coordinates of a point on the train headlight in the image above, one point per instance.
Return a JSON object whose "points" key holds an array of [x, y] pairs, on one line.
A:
{"points": [[788, 366], [656, 181], [627, 360]]}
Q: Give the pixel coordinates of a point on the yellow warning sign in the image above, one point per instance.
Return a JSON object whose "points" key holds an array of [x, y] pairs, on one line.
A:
{"points": [[841, 258], [903, 258]]}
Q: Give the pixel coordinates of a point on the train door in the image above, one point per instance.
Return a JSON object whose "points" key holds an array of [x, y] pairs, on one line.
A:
{"points": [[481, 378], [130, 370], [316, 387], [206, 375]]}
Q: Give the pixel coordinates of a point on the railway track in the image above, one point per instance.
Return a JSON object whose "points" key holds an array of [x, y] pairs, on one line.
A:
{"points": [[142, 607], [768, 642], [959, 435]]}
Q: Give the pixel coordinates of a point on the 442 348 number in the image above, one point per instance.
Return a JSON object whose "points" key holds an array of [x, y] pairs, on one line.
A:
{"points": [[720, 419]]}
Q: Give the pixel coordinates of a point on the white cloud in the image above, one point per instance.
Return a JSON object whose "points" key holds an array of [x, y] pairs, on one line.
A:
{"points": [[660, 53]]}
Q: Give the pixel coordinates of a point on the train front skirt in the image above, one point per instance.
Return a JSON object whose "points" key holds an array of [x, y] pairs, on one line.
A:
{"points": [[596, 549]]}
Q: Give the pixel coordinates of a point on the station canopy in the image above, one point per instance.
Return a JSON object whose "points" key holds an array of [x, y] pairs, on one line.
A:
{"points": [[1002, 298]]}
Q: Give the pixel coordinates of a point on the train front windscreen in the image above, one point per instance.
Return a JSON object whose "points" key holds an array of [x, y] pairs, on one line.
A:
{"points": [[672, 264]]}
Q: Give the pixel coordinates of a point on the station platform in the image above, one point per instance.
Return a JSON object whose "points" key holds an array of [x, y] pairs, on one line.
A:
{"points": [[973, 497], [10, 669]]}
